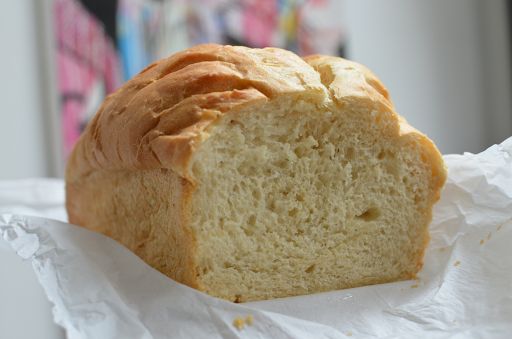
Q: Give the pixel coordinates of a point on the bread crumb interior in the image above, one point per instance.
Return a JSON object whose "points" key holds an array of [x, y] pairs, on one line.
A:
{"points": [[293, 198]]}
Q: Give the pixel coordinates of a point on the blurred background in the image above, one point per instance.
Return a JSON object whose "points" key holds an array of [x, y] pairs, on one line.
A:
{"points": [[447, 65]]}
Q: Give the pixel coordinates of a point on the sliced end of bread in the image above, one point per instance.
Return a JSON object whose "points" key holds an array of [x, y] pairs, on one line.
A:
{"points": [[293, 198]]}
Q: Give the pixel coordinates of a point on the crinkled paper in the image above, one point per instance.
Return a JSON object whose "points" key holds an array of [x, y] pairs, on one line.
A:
{"points": [[101, 290]]}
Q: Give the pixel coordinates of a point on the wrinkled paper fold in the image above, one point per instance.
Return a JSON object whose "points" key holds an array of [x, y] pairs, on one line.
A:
{"points": [[101, 290]]}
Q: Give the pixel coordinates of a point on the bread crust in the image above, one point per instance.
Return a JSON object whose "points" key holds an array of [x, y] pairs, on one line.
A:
{"points": [[157, 120]]}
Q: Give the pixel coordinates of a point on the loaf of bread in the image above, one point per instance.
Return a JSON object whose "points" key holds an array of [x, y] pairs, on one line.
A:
{"points": [[252, 174]]}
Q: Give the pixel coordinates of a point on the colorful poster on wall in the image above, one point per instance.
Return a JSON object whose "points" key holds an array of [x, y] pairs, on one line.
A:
{"points": [[99, 44], [87, 65]]}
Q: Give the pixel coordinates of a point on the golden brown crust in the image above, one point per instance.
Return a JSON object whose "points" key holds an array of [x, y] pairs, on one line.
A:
{"points": [[156, 119], [156, 230], [346, 79]]}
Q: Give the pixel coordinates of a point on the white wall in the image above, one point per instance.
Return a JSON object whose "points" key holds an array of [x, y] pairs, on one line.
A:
{"points": [[23, 149], [446, 64], [430, 56], [497, 77], [25, 311]]}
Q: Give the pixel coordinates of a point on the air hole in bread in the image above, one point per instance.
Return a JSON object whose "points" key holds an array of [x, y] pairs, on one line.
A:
{"points": [[354, 173], [252, 220], [349, 153], [370, 214], [293, 212], [381, 155], [310, 269], [256, 194], [248, 231]]}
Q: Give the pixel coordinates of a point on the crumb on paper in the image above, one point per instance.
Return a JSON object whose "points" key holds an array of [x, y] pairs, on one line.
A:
{"points": [[501, 225], [239, 323], [415, 286], [442, 249], [349, 334], [482, 242], [456, 263], [489, 236]]}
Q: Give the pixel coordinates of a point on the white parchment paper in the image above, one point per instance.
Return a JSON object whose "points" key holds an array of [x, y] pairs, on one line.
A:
{"points": [[101, 290]]}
